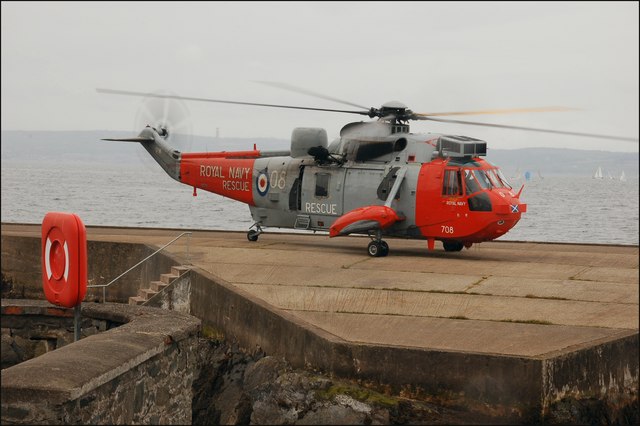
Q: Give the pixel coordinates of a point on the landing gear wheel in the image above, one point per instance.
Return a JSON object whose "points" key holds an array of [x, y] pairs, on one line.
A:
{"points": [[378, 249], [253, 234], [374, 249], [452, 245], [385, 248]]}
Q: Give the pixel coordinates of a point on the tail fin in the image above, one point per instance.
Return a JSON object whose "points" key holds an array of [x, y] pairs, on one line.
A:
{"points": [[155, 143]]}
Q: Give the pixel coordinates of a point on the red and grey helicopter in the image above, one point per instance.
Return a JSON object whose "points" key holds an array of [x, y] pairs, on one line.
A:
{"points": [[377, 178]]}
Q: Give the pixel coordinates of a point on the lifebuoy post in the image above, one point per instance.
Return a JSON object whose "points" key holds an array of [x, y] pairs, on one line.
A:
{"points": [[64, 261]]}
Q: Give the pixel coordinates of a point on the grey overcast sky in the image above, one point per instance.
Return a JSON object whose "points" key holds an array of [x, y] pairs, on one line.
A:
{"points": [[432, 56]]}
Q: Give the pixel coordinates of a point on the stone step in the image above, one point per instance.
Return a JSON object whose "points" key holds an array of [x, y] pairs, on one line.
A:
{"points": [[136, 300], [179, 270], [147, 293], [158, 285], [167, 278]]}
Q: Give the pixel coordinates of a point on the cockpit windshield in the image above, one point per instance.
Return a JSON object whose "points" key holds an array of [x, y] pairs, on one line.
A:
{"points": [[476, 180], [498, 179]]}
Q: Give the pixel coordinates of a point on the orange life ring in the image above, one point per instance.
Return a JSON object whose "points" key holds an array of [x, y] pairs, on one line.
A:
{"points": [[64, 259]]}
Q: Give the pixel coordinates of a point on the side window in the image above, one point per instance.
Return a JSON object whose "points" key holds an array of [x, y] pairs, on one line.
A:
{"points": [[451, 184], [322, 184]]}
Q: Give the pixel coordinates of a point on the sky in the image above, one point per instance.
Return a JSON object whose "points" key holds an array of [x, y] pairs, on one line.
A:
{"points": [[431, 56]]}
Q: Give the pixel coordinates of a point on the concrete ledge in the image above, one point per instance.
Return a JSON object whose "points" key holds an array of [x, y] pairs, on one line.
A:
{"points": [[21, 260], [514, 388], [49, 388], [572, 360]]}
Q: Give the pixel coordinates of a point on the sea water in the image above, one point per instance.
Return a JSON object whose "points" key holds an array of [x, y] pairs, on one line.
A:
{"points": [[569, 209]]}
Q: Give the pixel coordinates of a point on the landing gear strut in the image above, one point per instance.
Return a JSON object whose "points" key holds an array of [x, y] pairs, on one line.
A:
{"points": [[253, 234], [377, 247]]}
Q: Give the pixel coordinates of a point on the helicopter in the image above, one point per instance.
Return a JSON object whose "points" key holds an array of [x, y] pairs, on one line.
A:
{"points": [[377, 178]]}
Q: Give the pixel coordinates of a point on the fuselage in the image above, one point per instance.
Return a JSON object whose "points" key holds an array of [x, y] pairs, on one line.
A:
{"points": [[463, 199]]}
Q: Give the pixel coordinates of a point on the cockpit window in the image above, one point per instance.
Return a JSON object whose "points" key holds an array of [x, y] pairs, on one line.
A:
{"points": [[494, 178], [476, 180], [484, 180], [498, 179], [471, 183], [502, 177]]}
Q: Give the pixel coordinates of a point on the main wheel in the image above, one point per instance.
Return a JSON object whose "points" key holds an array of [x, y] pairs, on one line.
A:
{"points": [[374, 249], [252, 235], [452, 245], [384, 248]]}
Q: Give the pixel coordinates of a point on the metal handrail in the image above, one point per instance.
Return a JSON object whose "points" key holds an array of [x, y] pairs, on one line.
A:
{"points": [[104, 286]]}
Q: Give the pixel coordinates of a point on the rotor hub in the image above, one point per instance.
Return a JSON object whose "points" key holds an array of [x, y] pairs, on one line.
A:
{"points": [[392, 110]]}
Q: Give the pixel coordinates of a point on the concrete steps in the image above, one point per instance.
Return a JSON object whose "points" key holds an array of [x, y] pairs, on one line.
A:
{"points": [[155, 287]]}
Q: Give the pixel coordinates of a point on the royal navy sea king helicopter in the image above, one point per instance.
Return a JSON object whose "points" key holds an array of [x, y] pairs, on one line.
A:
{"points": [[377, 178]]}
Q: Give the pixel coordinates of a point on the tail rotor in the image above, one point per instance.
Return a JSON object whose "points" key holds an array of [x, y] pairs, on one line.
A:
{"points": [[171, 119]]}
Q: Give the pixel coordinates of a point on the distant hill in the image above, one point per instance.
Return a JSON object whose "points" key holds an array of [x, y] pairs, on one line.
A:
{"points": [[558, 161], [86, 147]]}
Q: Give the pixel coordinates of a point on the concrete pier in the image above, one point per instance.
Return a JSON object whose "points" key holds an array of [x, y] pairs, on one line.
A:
{"points": [[498, 300]]}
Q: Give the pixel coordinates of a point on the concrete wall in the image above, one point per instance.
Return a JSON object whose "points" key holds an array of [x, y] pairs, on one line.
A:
{"points": [[21, 260], [139, 372], [35, 332], [470, 379], [608, 371], [515, 388]]}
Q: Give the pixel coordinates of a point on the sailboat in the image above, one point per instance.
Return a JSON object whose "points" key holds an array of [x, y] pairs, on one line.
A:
{"points": [[517, 175], [623, 178], [598, 173]]}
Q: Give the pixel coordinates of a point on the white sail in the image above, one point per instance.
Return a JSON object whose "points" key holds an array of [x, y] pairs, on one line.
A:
{"points": [[517, 175], [623, 178], [598, 173]]}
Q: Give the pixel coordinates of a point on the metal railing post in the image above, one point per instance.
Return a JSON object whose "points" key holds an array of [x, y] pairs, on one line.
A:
{"points": [[188, 244]]}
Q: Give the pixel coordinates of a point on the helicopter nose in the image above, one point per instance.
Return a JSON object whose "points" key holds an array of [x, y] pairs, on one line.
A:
{"points": [[508, 210], [510, 206]]}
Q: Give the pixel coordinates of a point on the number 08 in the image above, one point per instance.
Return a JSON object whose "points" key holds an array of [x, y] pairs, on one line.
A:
{"points": [[278, 180]]}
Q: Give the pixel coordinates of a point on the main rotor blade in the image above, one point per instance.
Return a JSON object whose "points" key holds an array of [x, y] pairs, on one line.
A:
{"points": [[495, 111], [287, 86], [187, 98], [532, 129]]}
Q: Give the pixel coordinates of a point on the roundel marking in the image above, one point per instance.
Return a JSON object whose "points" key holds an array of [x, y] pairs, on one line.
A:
{"points": [[262, 184]]}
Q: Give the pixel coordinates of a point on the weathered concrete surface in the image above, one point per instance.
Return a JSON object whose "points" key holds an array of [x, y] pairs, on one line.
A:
{"points": [[139, 372], [19, 255], [469, 321], [575, 286]]}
